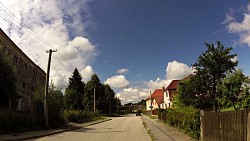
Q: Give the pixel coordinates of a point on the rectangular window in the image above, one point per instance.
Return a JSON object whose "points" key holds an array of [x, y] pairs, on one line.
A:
{"points": [[23, 85], [26, 67], [15, 59]]}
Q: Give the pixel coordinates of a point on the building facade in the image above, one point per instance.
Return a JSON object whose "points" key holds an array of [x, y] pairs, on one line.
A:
{"points": [[169, 94], [30, 77], [155, 99]]}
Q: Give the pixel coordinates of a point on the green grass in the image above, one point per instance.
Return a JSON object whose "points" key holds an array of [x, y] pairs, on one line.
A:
{"points": [[153, 117], [149, 132], [227, 109]]}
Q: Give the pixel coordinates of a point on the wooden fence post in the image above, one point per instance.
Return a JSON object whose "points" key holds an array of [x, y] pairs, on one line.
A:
{"points": [[248, 127], [201, 127]]}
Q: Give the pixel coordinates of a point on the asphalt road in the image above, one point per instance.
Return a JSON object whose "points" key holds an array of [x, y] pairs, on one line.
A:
{"points": [[128, 128]]}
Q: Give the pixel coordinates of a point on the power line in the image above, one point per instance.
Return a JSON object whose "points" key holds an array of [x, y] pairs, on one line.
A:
{"points": [[41, 42]]}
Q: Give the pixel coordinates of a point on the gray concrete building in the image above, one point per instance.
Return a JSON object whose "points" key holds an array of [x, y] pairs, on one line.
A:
{"points": [[30, 77]]}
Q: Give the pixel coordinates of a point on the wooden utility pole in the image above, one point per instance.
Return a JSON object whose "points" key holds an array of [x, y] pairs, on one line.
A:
{"points": [[94, 99], [46, 113], [150, 104], [110, 103]]}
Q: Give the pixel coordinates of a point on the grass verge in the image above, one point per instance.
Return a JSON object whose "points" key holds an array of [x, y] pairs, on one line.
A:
{"points": [[153, 117], [149, 132]]}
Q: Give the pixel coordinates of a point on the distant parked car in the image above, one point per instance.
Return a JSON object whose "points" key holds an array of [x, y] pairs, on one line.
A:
{"points": [[138, 113]]}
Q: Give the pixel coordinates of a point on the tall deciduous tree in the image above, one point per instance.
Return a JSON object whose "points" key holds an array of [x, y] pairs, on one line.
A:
{"points": [[7, 79], [74, 92], [213, 65], [109, 100], [193, 92], [93, 84], [231, 88]]}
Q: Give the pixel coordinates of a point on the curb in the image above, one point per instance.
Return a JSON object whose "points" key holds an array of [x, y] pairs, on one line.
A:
{"points": [[57, 132]]}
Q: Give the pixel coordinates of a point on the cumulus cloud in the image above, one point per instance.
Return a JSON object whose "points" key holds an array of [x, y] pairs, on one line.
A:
{"points": [[117, 81], [157, 84], [132, 95], [122, 71], [234, 59], [241, 28], [177, 70], [174, 70], [36, 26], [86, 73], [229, 17]]}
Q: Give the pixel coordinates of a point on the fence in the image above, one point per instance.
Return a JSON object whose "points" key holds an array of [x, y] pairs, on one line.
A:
{"points": [[224, 126], [154, 112]]}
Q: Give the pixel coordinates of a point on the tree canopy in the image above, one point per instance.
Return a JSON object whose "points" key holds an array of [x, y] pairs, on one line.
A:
{"points": [[74, 93], [104, 96], [211, 69]]}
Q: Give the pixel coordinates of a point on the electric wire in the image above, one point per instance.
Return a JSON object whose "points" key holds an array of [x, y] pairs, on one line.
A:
{"points": [[41, 42]]}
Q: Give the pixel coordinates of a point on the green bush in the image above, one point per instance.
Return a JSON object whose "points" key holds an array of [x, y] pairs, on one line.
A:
{"points": [[185, 118], [13, 121], [79, 116]]}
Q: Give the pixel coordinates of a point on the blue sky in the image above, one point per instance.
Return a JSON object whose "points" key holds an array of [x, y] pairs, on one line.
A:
{"points": [[144, 36], [135, 46]]}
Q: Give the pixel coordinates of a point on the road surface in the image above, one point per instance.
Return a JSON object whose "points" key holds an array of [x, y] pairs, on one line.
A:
{"points": [[129, 128]]}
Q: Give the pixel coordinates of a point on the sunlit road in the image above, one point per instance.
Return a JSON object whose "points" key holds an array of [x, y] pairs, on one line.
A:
{"points": [[128, 128]]}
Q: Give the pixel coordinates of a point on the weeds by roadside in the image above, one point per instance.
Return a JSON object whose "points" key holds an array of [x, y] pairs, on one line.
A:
{"points": [[149, 132]]}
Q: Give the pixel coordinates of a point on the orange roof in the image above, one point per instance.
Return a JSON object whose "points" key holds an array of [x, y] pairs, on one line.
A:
{"points": [[158, 100], [173, 85], [157, 95]]}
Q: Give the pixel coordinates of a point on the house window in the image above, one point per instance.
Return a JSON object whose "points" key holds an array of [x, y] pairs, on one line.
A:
{"points": [[26, 67], [166, 94], [23, 85], [32, 89], [15, 59]]}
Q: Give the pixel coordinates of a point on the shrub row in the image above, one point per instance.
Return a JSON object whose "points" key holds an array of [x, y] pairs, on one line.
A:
{"points": [[186, 119], [14, 121], [79, 116]]}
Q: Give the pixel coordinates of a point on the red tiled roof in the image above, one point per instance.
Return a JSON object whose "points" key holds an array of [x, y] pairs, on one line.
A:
{"points": [[158, 100], [173, 85], [157, 95]]}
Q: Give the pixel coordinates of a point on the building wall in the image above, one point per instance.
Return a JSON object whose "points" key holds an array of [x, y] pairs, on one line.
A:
{"points": [[30, 77], [155, 105], [148, 103]]}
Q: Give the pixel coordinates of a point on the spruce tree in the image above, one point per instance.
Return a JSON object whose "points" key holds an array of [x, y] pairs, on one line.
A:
{"points": [[74, 92]]}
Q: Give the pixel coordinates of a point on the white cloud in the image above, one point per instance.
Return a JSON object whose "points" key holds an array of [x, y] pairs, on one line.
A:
{"points": [[60, 79], [122, 71], [234, 59], [229, 17], [86, 73], [157, 84], [241, 28], [117, 81], [174, 70], [132, 95], [36, 26], [177, 70]]}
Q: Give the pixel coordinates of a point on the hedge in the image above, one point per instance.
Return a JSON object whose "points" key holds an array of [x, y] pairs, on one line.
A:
{"points": [[13, 121], [186, 119], [79, 116]]}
